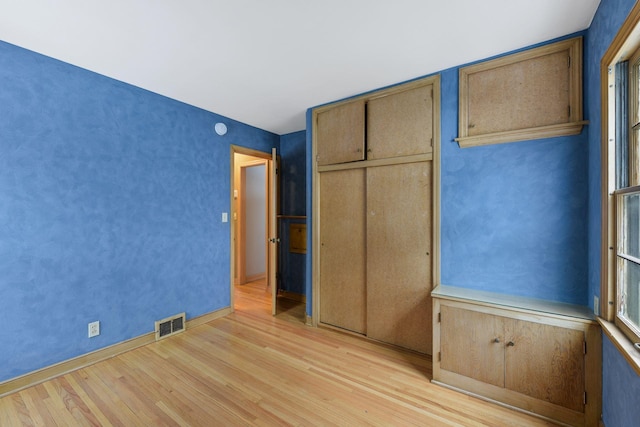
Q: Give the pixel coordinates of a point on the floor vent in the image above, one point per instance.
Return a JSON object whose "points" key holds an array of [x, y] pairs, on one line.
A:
{"points": [[170, 326]]}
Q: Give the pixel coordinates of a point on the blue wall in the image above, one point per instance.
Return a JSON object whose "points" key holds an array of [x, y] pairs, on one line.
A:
{"points": [[110, 206], [620, 389], [513, 215], [293, 181], [621, 385]]}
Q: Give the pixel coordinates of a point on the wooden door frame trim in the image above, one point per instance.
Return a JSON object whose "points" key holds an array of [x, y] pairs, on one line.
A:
{"points": [[236, 149]]}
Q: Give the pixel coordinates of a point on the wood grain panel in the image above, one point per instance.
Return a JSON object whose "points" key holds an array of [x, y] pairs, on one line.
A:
{"points": [[523, 95], [399, 270], [527, 95], [545, 362], [342, 249], [340, 133], [400, 124], [468, 344]]}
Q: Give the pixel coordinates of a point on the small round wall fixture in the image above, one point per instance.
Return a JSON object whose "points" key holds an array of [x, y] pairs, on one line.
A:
{"points": [[220, 128]]}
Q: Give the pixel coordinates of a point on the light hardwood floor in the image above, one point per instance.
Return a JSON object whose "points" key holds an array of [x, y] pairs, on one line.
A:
{"points": [[248, 369]]}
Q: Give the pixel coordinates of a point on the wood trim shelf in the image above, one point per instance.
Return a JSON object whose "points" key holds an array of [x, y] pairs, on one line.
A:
{"points": [[379, 162], [564, 129], [515, 303]]}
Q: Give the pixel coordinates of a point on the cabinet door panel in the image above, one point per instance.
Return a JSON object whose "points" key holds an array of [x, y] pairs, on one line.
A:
{"points": [[399, 273], [400, 124], [525, 94], [468, 344], [545, 362], [342, 249], [340, 134]]}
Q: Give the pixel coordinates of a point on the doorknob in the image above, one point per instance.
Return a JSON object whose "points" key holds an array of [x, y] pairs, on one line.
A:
{"points": [[275, 240]]}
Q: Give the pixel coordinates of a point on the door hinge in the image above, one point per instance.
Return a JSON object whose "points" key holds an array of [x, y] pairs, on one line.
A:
{"points": [[439, 317], [584, 347], [584, 398], [568, 62], [439, 356]]}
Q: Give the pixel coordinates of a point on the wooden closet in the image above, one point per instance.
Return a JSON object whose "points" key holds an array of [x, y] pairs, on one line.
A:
{"points": [[375, 199]]}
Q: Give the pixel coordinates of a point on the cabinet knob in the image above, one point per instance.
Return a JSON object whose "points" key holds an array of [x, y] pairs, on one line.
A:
{"points": [[510, 344], [496, 340]]}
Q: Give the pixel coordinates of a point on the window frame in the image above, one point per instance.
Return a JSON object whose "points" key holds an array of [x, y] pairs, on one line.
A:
{"points": [[623, 323], [623, 47]]}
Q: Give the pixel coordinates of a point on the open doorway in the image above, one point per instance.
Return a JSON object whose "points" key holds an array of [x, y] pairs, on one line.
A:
{"points": [[252, 188], [255, 244]]}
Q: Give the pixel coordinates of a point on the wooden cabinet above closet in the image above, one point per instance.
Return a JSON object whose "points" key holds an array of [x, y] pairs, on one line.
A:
{"points": [[400, 124], [389, 124], [341, 130]]}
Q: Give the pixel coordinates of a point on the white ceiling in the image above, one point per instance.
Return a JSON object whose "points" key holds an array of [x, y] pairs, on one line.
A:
{"points": [[264, 62]]}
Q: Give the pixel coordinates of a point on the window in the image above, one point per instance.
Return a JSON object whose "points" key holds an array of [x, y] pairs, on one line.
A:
{"points": [[628, 262], [627, 195], [626, 293], [619, 306]]}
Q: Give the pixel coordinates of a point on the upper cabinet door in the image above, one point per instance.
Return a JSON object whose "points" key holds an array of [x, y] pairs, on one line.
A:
{"points": [[400, 124], [340, 134], [527, 95]]}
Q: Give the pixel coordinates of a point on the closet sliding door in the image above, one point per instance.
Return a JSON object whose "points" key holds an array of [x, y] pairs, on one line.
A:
{"points": [[399, 272], [342, 249]]}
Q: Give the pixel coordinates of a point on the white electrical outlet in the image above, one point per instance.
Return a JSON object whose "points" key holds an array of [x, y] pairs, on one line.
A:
{"points": [[94, 329]]}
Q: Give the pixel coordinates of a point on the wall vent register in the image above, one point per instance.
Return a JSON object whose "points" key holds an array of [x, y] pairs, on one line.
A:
{"points": [[170, 326]]}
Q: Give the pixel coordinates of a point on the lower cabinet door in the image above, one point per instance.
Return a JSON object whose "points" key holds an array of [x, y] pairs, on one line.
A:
{"points": [[545, 362], [472, 344]]}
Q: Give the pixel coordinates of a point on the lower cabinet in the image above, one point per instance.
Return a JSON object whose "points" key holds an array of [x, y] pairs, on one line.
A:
{"points": [[543, 359]]}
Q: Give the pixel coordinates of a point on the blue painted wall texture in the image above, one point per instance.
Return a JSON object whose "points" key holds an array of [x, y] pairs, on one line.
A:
{"points": [[293, 187], [514, 216], [620, 389], [110, 206]]}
